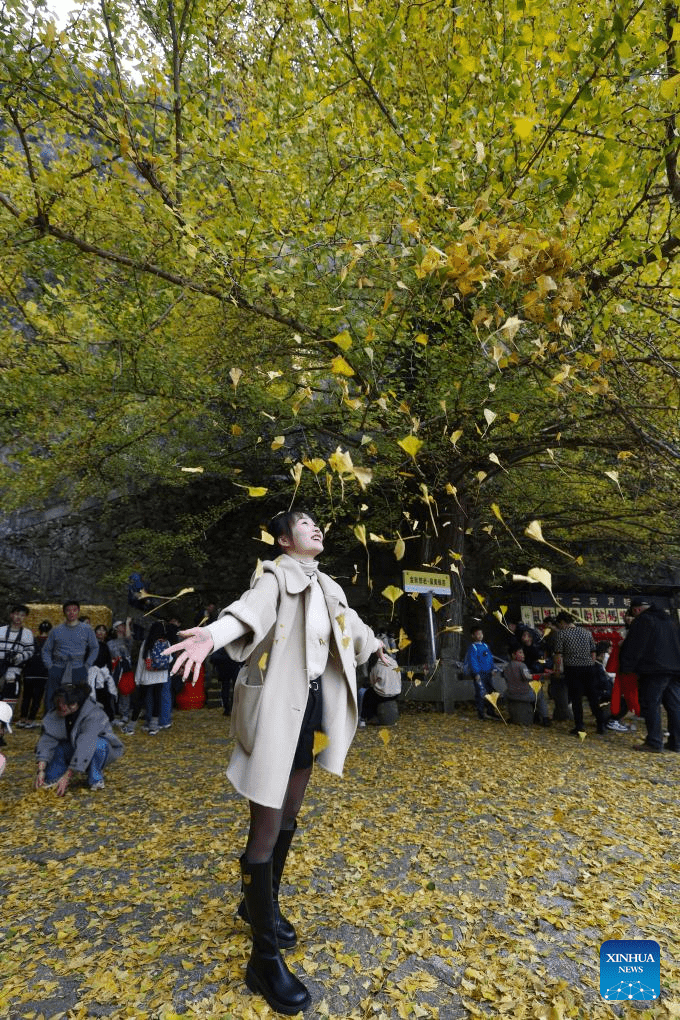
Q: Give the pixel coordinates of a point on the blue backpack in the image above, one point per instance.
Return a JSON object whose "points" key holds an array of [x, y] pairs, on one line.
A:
{"points": [[156, 660]]}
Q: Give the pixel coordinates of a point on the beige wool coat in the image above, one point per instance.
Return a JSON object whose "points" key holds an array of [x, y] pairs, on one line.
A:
{"points": [[271, 691]]}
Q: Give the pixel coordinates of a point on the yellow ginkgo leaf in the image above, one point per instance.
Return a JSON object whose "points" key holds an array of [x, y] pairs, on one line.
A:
{"points": [[541, 575], [455, 436], [399, 548], [533, 530], [343, 340], [360, 533], [384, 736], [614, 475], [262, 662], [536, 686], [321, 742], [411, 445], [493, 698], [253, 490], [392, 593], [341, 367], [235, 375], [404, 640], [341, 462], [278, 442], [193, 470], [315, 465]]}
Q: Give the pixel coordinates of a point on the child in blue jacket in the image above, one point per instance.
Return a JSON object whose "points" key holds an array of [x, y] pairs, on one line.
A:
{"points": [[479, 664]]}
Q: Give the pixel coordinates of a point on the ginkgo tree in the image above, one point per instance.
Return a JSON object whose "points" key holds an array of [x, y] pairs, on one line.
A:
{"points": [[436, 243]]}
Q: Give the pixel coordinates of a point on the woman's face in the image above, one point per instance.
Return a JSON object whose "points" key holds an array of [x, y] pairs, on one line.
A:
{"points": [[306, 538], [100, 631], [63, 708]]}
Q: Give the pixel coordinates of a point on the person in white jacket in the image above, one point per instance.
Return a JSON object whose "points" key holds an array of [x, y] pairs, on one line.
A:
{"points": [[300, 642]]}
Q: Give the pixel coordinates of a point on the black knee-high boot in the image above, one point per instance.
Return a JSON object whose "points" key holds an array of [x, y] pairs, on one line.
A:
{"points": [[266, 972], [285, 932]]}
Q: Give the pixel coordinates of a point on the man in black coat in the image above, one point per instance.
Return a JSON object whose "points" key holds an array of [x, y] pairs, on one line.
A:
{"points": [[652, 650]]}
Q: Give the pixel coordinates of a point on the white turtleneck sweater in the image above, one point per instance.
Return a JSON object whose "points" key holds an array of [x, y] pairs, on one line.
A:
{"points": [[317, 631]]}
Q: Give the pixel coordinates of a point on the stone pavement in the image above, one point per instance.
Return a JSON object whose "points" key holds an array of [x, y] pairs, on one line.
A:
{"points": [[459, 869]]}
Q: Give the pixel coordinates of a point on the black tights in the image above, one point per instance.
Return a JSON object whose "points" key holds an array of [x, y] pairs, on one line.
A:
{"points": [[266, 823]]}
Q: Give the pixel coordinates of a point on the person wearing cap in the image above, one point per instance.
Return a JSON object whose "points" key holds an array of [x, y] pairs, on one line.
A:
{"points": [[652, 650], [71, 646], [120, 647], [76, 737], [16, 647], [35, 681]]}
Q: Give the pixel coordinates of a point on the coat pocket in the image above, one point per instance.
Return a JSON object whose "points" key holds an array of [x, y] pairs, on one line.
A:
{"points": [[245, 710]]}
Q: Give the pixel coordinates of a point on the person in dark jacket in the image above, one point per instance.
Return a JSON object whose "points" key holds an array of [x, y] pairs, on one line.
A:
{"points": [[652, 650]]}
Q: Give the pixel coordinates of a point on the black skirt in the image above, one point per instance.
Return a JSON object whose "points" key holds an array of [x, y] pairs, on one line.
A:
{"points": [[311, 724]]}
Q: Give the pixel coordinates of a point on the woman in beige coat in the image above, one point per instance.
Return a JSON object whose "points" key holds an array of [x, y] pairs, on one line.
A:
{"points": [[300, 642]]}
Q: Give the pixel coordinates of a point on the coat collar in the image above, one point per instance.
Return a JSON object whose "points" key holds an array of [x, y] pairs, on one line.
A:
{"points": [[296, 580]]}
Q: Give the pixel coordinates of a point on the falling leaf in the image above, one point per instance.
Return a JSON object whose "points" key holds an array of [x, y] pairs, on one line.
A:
{"points": [[321, 742], [267, 538], [493, 698], [343, 340], [455, 436], [235, 375], [315, 465], [404, 640], [542, 576], [384, 736], [533, 530], [253, 490], [614, 475], [360, 533], [341, 367], [490, 416], [536, 687], [278, 442], [193, 470], [392, 593], [411, 444], [262, 662], [399, 548]]}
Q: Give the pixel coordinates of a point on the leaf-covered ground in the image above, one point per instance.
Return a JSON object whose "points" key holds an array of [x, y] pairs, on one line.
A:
{"points": [[460, 869]]}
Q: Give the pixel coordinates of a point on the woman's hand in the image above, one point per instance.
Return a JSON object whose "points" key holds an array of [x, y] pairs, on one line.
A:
{"points": [[196, 647], [62, 784], [383, 655]]}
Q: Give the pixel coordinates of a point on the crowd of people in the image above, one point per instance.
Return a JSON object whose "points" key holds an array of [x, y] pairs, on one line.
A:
{"points": [[636, 677], [75, 683], [294, 628]]}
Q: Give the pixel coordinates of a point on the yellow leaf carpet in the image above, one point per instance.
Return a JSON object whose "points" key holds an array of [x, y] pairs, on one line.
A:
{"points": [[459, 869]]}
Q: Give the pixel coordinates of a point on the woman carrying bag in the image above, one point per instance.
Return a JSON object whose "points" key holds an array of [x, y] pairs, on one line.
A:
{"points": [[300, 643]]}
